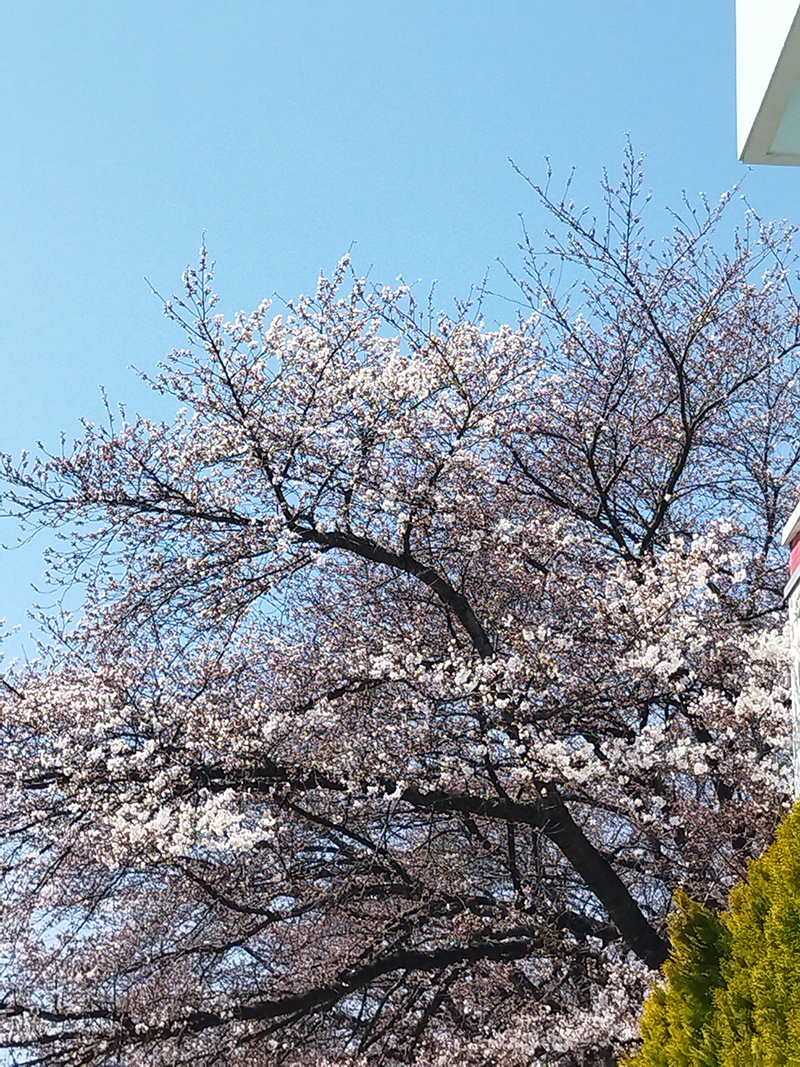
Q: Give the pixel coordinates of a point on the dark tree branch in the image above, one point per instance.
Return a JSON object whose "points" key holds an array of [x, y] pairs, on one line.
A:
{"points": [[550, 815]]}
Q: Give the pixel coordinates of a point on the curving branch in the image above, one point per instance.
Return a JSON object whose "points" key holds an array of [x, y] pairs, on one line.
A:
{"points": [[549, 814]]}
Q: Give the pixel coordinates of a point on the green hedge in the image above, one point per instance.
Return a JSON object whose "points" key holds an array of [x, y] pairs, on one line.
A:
{"points": [[732, 991]]}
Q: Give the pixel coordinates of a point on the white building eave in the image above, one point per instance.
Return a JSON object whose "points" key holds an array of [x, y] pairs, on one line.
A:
{"points": [[768, 81]]}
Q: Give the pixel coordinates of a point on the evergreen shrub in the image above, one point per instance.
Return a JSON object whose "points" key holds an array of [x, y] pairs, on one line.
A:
{"points": [[732, 992]]}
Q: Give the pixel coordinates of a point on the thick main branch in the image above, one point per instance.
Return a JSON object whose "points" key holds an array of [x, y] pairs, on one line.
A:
{"points": [[550, 815]]}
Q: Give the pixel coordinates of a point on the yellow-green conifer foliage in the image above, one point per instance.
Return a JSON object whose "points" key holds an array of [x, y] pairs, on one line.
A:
{"points": [[675, 1023], [732, 991]]}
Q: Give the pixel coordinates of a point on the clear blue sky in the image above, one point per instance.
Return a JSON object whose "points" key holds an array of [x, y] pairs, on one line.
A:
{"points": [[289, 129]]}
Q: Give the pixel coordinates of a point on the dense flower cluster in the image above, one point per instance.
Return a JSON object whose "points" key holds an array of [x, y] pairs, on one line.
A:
{"points": [[421, 663]]}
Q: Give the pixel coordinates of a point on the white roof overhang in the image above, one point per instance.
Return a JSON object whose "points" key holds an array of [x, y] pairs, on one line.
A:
{"points": [[768, 80]]}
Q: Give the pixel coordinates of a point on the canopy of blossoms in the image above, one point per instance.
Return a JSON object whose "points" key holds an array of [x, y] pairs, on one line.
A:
{"points": [[421, 662]]}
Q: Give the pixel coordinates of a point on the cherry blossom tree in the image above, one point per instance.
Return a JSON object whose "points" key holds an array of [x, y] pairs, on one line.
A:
{"points": [[421, 662]]}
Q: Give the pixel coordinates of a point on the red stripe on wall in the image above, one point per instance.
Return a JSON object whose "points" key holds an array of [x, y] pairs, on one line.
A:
{"points": [[794, 558]]}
